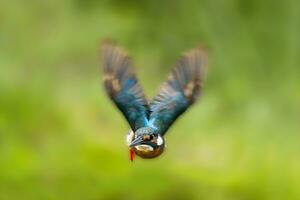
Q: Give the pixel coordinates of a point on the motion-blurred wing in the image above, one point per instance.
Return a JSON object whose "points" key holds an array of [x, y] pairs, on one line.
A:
{"points": [[122, 86], [180, 90]]}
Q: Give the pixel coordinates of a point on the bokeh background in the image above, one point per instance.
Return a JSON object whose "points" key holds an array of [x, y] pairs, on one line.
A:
{"points": [[61, 138]]}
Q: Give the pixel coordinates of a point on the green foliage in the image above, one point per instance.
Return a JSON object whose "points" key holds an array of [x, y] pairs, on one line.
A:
{"points": [[61, 138]]}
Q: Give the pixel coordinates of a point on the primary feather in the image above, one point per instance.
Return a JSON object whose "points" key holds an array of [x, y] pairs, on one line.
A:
{"points": [[122, 86], [179, 91]]}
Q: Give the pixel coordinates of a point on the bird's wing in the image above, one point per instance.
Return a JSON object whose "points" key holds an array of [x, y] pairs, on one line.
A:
{"points": [[181, 89], [122, 86]]}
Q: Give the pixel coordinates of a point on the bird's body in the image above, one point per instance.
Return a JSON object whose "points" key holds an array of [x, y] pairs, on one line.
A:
{"points": [[150, 121], [149, 146]]}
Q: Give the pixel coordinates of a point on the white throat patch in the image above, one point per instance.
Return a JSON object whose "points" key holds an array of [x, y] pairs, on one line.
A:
{"points": [[144, 147]]}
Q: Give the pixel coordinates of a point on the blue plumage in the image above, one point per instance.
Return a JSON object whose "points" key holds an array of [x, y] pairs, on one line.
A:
{"points": [[122, 86], [176, 95]]}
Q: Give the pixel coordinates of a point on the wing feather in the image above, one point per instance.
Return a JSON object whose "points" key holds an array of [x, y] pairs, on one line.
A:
{"points": [[180, 91], [122, 86]]}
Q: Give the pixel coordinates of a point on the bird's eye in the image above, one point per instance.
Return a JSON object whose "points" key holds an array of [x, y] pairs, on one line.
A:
{"points": [[151, 137]]}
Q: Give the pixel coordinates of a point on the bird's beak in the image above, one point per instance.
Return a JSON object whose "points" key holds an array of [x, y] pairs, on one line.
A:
{"points": [[136, 141]]}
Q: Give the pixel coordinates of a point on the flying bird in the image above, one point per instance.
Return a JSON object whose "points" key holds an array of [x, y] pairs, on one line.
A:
{"points": [[149, 121]]}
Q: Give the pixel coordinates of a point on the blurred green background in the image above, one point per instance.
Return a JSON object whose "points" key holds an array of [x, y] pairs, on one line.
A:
{"points": [[61, 138]]}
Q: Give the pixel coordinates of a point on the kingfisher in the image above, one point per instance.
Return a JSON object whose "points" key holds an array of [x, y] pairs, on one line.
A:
{"points": [[150, 120]]}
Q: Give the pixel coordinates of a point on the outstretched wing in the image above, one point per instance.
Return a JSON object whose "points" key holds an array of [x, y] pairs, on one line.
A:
{"points": [[122, 86], [180, 90]]}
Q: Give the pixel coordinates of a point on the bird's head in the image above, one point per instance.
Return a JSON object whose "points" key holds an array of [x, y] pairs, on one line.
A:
{"points": [[145, 142]]}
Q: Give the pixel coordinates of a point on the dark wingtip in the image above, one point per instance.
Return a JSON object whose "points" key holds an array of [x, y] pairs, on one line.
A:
{"points": [[201, 51], [203, 48], [107, 41], [110, 45], [106, 44]]}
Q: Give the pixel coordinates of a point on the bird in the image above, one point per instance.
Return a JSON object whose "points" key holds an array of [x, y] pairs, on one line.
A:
{"points": [[150, 120]]}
